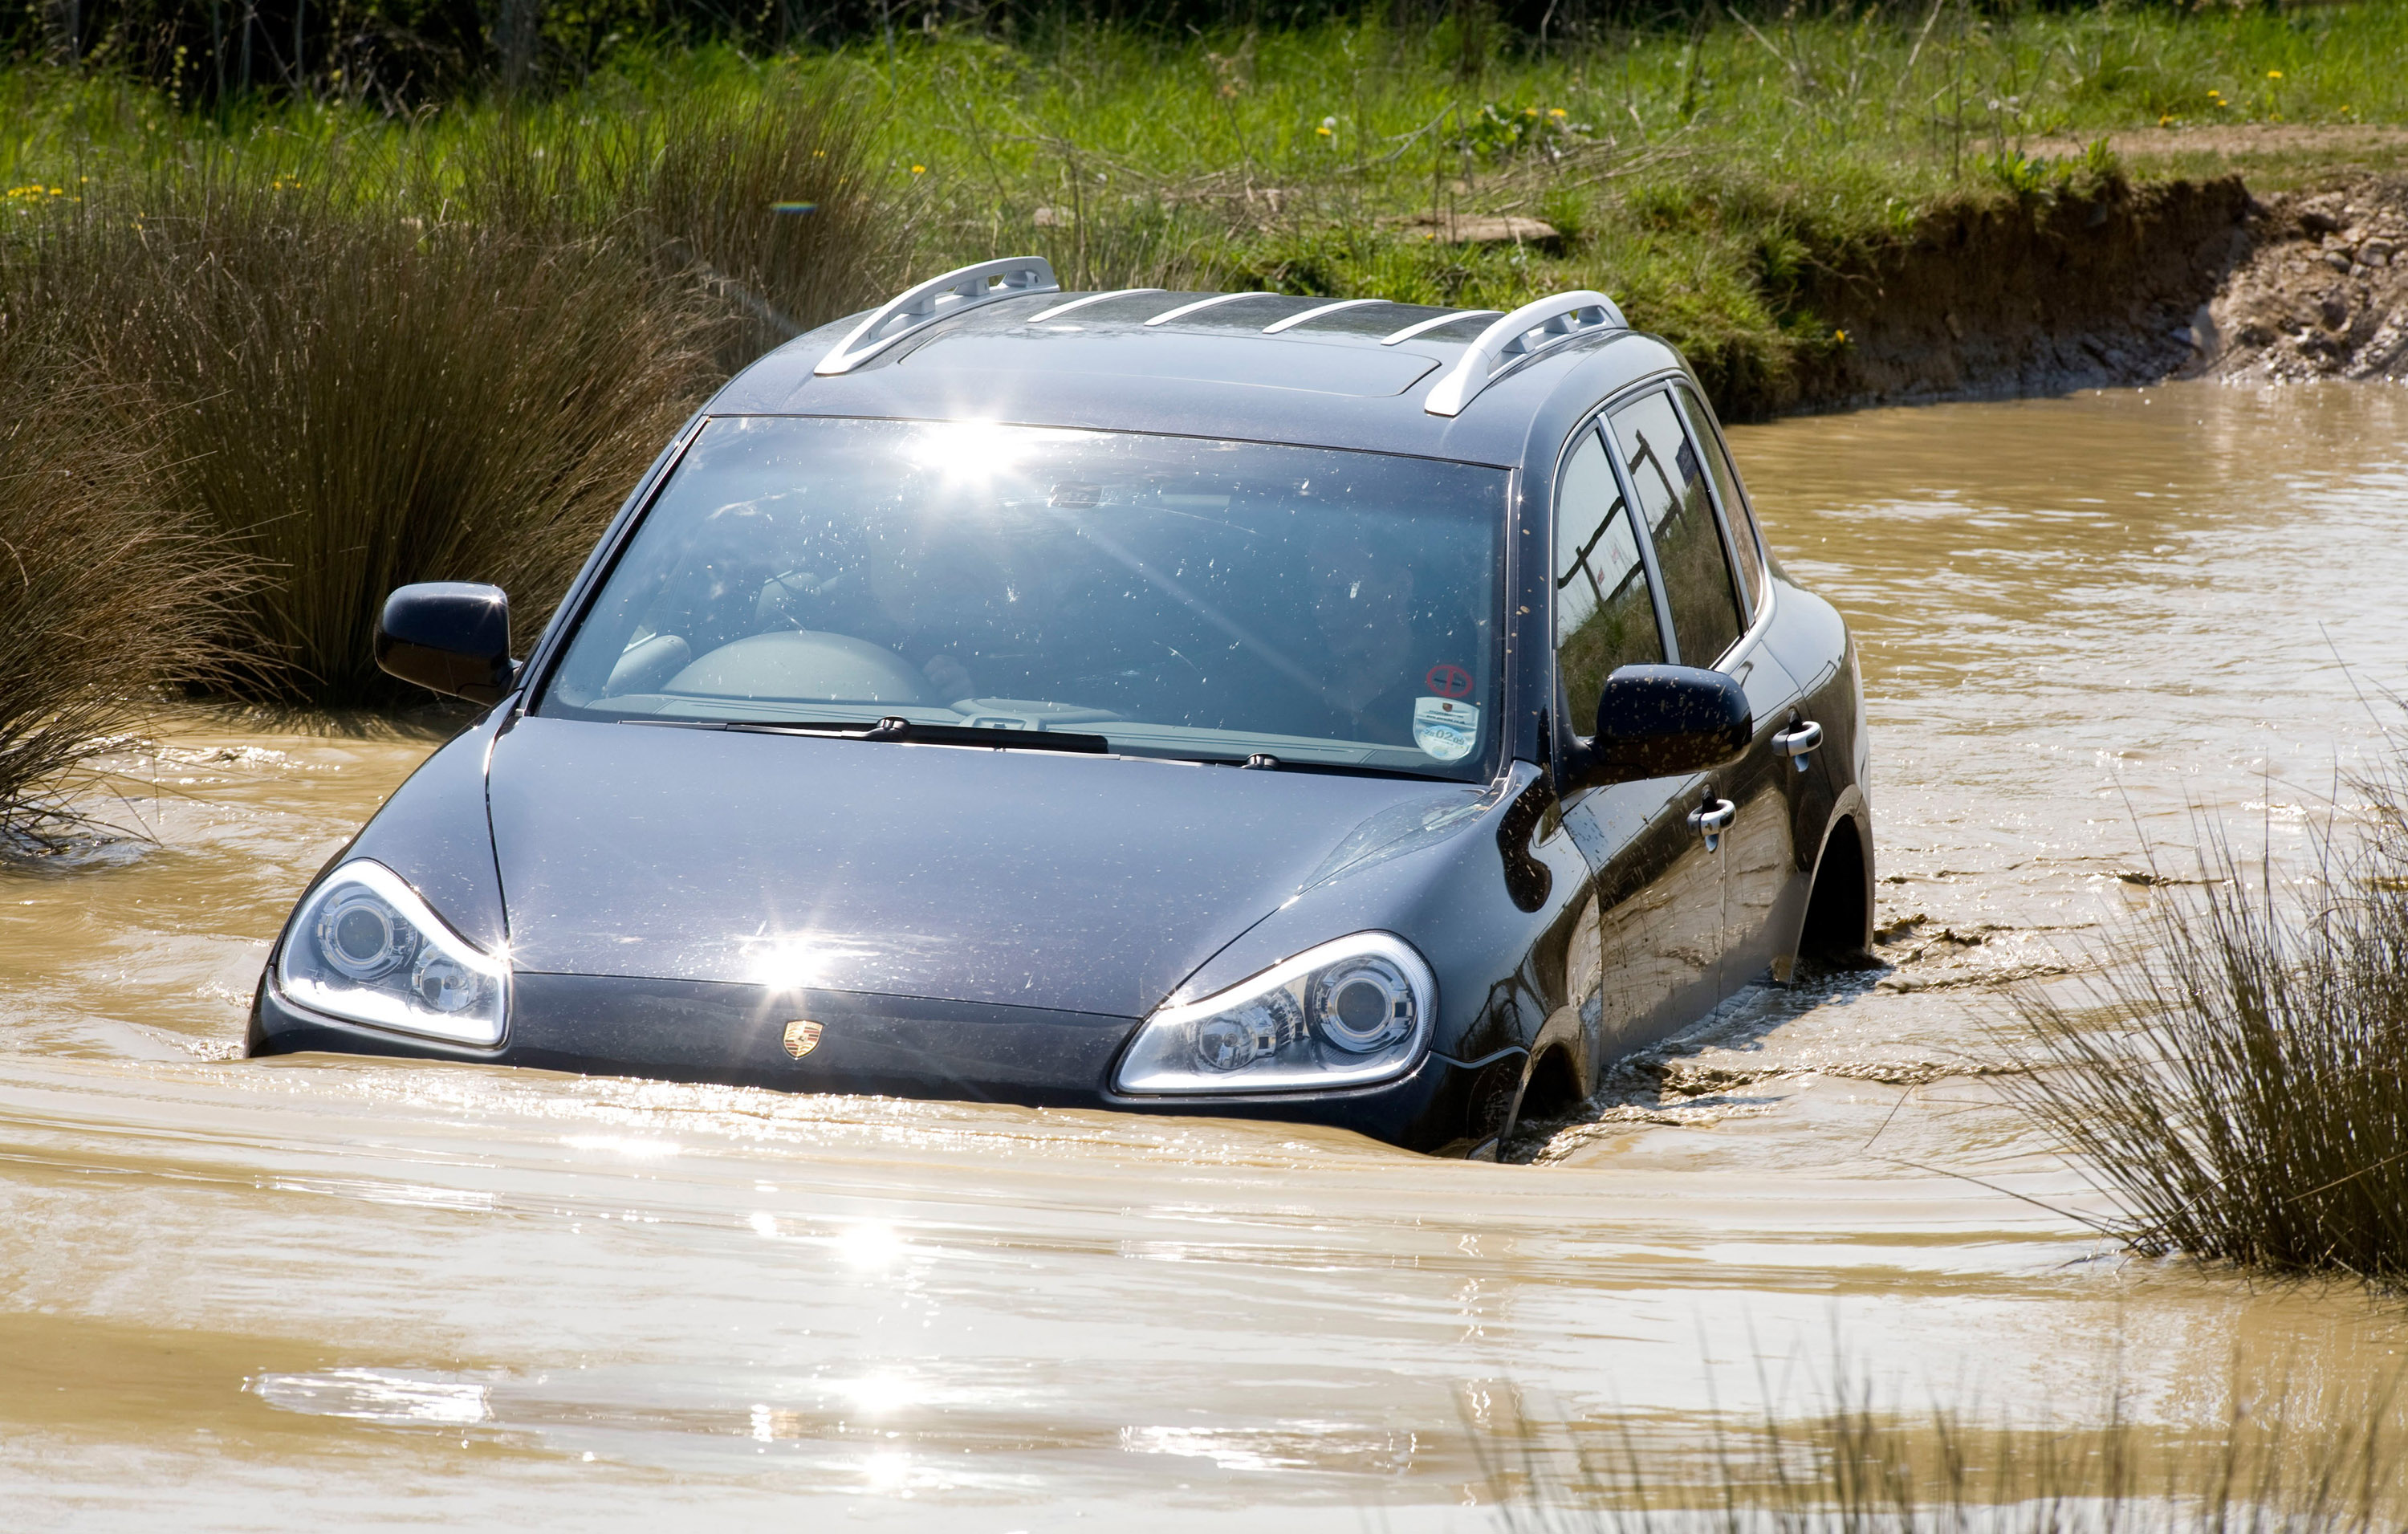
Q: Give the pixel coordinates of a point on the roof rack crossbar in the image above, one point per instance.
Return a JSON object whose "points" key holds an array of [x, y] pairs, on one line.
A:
{"points": [[1185, 310], [939, 297], [1043, 315], [1433, 323], [1295, 320], [1516, 335]]}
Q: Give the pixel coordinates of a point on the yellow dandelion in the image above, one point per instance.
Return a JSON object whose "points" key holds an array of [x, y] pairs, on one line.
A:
{"points": [[2273, 74], [918, 170], [1529, 111], [1840, 336], [1555, 111], [1322, 130]]}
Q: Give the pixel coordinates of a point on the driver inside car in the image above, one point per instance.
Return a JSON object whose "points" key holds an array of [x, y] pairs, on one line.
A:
{"points": [[1378, 665]]}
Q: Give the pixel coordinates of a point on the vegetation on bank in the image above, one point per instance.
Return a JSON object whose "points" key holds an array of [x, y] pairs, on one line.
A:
{"points": [[2235, 1087], [1702, 174]]}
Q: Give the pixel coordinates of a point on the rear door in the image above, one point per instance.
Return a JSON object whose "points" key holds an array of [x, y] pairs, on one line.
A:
{"points": [[1658, 894], [1745, 823]]}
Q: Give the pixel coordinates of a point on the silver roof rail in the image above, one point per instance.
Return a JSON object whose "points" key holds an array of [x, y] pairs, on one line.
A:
{"points": [[1212, 302], [1295, 320], [1419, 325], [1516, 335], [938, 298], [1043, 315]]}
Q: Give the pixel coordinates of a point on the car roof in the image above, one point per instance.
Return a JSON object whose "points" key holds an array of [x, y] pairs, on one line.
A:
{"points": [[1253, 366]]}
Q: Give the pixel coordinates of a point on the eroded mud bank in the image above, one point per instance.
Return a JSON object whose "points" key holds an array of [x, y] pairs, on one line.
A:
{"points": [[2128, 285]]}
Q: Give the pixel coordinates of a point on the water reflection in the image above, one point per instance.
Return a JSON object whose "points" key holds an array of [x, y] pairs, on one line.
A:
{"points": [[299, 1291]]}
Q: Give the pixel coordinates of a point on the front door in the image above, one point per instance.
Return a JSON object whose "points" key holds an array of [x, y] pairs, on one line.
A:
{"points": [[1658, 892], [1744, 806]]}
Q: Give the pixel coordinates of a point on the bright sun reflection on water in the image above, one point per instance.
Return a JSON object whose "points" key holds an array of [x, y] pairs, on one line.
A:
{"points": [[642, 1150], [875, 1394], [869, 1246]]}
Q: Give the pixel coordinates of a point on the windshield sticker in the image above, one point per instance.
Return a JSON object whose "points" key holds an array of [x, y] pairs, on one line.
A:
{"points": [[1445, 728], [1448, 680]]}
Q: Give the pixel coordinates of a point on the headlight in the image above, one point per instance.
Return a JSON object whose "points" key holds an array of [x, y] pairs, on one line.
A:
{"points": [[364, 948], [1346, 1014]]}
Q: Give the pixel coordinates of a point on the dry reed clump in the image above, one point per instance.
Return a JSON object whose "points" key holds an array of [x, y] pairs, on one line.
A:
{"points": [[771, 204], [2285, 1467], [447, 359], [102, 601], [2241, 1092], [360, 401]]}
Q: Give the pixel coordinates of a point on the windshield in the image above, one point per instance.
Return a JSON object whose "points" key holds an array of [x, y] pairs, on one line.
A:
{"points": [[1179, 597]]}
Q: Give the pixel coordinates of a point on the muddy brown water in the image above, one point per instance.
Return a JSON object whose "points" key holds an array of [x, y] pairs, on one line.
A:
{"points": [[320, 1290]]}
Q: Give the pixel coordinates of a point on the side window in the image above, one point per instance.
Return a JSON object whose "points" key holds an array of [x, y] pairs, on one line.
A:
{"points": [[1605, 616], [1670, 481], [1736, 515]]}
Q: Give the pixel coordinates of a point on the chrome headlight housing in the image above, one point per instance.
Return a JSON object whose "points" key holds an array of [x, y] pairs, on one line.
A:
{"points": [[364, 948], [1346, 1014]]}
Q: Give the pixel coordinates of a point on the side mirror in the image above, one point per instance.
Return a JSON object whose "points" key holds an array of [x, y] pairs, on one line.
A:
{"points": [[451, 635], [1655, 721]]}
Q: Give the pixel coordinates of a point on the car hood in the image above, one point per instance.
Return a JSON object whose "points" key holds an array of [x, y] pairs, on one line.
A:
{"points": [[1041, 879]]}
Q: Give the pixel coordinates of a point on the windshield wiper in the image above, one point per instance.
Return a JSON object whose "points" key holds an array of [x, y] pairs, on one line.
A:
{"points": [[910, 733]]}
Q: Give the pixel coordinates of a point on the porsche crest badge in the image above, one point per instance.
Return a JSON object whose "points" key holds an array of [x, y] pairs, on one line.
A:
{"points": [[802, 1036]]}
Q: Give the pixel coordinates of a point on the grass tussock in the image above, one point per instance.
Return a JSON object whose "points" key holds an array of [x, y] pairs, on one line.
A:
{"points": [[2238, 1089], [373, 365], [2284, 1467], [102, 601]]}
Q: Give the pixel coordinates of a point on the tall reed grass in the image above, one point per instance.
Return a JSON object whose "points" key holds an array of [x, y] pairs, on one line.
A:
{"points": [[2240, 1088], [2283, 1465], [104, 601], [373, 364]]}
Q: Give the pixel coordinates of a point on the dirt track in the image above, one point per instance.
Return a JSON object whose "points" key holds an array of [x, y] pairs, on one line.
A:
{"points": [[2376, 144]]}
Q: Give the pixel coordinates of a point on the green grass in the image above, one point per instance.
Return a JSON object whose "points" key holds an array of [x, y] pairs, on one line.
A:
{"points": [[1691, 175]]}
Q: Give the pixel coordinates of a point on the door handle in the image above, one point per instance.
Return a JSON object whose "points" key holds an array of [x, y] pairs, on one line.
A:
{"points": [[1710, 818], [1798, 741]]}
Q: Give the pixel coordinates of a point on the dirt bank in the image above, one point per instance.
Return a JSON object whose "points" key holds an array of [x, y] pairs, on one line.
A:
{"points": [[2129, 284], [2033, 297]]}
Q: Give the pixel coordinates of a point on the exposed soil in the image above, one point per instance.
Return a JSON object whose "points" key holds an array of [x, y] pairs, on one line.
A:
{"points": [[2127, 284], [2031, 298]]}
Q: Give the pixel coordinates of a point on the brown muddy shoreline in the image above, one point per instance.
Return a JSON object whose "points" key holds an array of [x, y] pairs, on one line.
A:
{"points": [[2126, 284]]}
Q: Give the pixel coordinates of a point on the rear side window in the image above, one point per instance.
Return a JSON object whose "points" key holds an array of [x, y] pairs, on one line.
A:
{"points": [[1669, 478], [1736, 515], [1605, 616]]}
